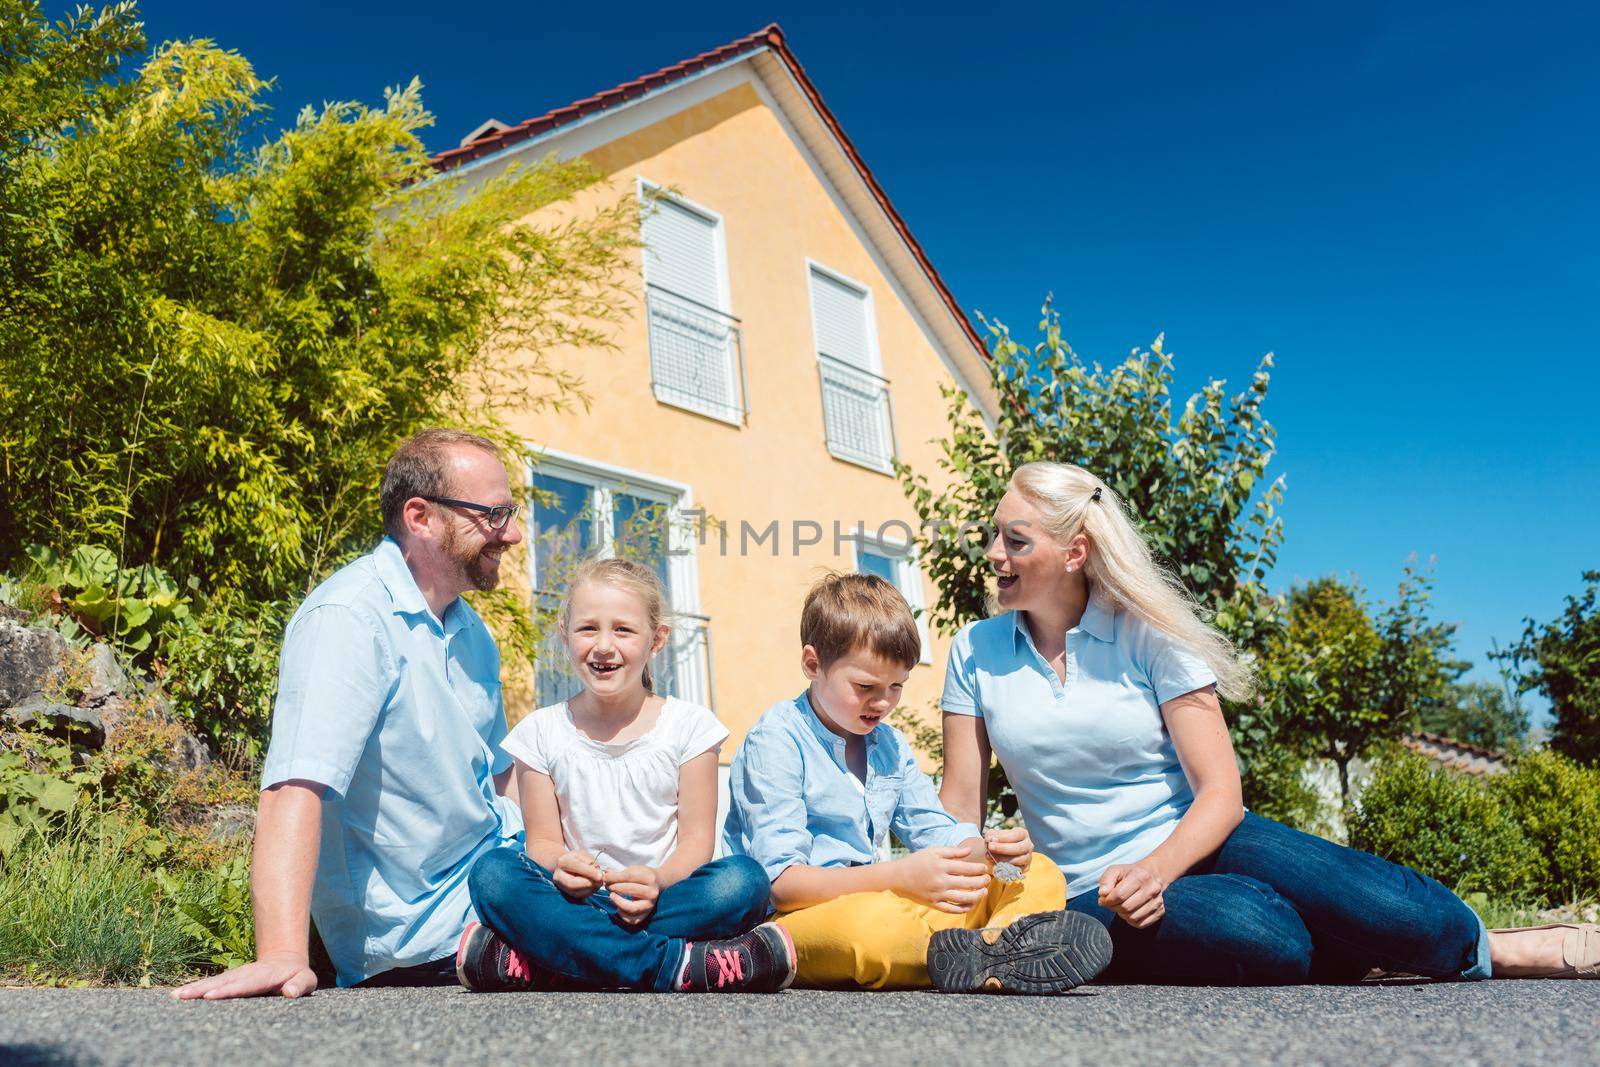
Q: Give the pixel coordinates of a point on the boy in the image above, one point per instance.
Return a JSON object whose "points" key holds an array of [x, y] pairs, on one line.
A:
{"points": [[816, 788]]}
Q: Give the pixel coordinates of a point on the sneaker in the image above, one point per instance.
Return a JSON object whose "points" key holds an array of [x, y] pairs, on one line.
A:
{"points": [[486, 963], [761, 961], [1049, 952]]}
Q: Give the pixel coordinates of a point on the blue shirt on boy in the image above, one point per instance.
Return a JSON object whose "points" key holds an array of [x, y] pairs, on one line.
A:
{"points": [[794, 800], [398, 715]]}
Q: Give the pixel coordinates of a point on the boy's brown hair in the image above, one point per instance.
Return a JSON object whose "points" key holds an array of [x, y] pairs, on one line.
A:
{"points": [[846, 612]]}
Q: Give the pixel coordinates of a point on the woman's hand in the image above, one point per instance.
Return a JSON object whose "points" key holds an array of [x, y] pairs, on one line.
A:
{"points": [[942, 878], [577, 875], [1009, 846], [1133, 891], [634, 891]]}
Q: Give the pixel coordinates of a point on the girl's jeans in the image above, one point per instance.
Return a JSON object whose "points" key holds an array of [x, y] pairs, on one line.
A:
{"points": [[584, 942], [1276, 906]]}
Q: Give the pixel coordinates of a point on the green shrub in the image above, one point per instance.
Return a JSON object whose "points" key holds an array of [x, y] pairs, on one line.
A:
{"points": [[130, 606], [222, 674], [39, 785], [1556, 803], [1446, 825], [213, 908]]}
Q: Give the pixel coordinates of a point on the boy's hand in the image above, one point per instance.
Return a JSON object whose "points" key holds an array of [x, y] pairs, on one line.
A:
{"points": [[1134, 891], [634, 891], [577, 875], [942, 878], [1009, 846]]}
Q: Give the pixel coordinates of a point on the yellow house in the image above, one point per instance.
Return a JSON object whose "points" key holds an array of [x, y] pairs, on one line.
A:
{"points": [[791, 340]]}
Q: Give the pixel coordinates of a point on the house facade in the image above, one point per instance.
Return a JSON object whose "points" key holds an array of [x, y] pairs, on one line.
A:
{"points": [[789, 341]]}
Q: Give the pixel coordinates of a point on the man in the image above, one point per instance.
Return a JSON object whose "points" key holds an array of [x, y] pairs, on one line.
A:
{"points": [[384, 779]]}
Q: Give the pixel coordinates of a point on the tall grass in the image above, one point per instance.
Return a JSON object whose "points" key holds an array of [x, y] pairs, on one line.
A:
{"points": [[81, 905]]}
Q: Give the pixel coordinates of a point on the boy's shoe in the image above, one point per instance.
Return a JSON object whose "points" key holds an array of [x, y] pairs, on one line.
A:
{"points": [[761, 961], [486, 963], [1049, 952]]}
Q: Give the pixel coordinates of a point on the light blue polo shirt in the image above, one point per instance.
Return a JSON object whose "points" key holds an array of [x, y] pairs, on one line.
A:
{"points": [[399, 715], [1096, 775], [794, 800]]}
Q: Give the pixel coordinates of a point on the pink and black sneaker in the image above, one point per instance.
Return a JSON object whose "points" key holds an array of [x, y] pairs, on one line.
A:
{"points": [[486, 963], [761, 961]]}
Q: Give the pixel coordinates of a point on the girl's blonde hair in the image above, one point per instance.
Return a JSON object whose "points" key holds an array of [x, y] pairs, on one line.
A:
{"points": [[630, 576], [1121, 568]]}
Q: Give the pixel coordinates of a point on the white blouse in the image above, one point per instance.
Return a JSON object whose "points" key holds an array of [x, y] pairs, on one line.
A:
{"points": [[618, 802]]}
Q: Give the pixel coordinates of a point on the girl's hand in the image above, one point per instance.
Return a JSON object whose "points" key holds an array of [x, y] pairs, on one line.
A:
{"points": [[942, 878], [1009, 846], [577, 875], [1133, 891], [634, 891]]}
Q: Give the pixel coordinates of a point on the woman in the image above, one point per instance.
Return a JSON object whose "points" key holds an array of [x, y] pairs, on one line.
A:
{"points": [[1097, 689]]}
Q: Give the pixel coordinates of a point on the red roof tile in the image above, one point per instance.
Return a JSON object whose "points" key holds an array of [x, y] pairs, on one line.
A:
{"points": [[768, 37]]}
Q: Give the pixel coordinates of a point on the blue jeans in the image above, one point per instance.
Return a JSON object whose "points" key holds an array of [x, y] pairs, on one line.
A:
{"points": [[1275, 906], [585, 942]]}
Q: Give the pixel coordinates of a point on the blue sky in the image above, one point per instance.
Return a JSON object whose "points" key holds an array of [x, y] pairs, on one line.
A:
{"points": [[1398, 201]]}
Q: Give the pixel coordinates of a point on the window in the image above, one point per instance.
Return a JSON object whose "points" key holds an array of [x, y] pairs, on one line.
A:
{"points": [[582, 511], [856, 410], [895, 564], [696, 361]]}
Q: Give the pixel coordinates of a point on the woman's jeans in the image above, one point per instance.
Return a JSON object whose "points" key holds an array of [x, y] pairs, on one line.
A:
{"points": [[1276, 906], [585, 943]]}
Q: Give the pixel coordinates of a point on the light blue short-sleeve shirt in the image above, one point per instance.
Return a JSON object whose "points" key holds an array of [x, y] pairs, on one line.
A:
{"points": [[1096, 775], [794, 800], [399, 715]]}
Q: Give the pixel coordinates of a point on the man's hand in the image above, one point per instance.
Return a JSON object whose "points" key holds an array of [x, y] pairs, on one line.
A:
{"points": [[634, 891], [942, 878], [1009, 846], [577, 874], [288, 976], [1133, 891]]}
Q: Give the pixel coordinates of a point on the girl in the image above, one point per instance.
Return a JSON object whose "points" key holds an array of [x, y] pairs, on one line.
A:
{"points": [[1097, 689], [616, 886]]}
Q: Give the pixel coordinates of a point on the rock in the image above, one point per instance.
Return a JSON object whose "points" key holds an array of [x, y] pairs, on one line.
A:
{"points": [[30, 659], [231, 822], [189, 753], [39, 710], [105, 677]]}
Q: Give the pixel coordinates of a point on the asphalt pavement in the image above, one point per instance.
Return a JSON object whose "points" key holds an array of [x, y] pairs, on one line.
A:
{"points": [[1546, 1023]]}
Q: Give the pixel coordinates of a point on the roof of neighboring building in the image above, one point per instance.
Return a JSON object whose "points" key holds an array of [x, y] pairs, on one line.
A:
{"points": [[1457, 755], [769, 39]]}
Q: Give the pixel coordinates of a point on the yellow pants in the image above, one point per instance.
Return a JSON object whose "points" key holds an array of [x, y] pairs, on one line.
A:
{"points": [[880, 940]]}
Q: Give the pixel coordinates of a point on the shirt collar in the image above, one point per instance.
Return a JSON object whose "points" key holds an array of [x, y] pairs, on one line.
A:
{"points": [[818, 727], [403, 589], [1098, 622]]}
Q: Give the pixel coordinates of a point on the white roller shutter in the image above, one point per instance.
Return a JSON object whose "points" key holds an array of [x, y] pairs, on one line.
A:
{"points": [[839, 314], [681, 253]]}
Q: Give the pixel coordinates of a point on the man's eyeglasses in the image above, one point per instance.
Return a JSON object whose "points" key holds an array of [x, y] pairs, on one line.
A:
{"points": [[497, 514]]}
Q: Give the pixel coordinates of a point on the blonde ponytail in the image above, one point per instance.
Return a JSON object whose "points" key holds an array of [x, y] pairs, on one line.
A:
{"points": [[1121, 569]]}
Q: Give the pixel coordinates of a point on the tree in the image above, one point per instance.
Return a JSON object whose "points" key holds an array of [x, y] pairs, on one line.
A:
{"points": [[208, 350], [212, 336], [1345, 679], [1561, 659], [1486, 714], [1196, 485]]}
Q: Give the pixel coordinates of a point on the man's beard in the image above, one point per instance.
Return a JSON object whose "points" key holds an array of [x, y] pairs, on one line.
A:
{"points": [[479, 571]]}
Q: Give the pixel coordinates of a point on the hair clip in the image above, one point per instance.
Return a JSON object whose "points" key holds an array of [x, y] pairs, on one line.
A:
{"points": [[1096, 498]]}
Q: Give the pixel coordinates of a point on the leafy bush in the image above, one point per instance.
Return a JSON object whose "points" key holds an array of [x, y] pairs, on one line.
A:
{"points": [[1446, 825], [38, 786], [1556, 803], [213, 908], [222, 674], [130, 606]]}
